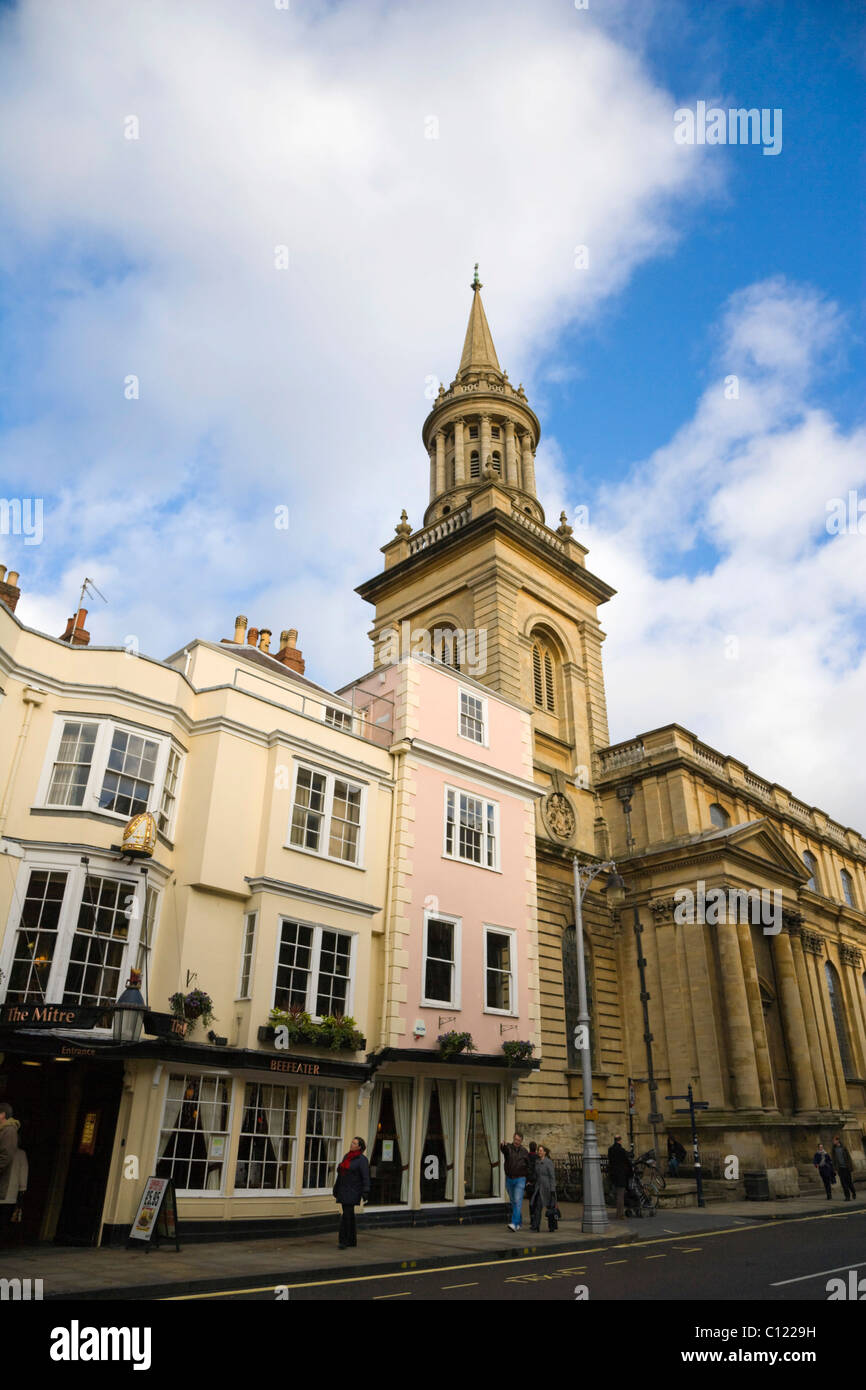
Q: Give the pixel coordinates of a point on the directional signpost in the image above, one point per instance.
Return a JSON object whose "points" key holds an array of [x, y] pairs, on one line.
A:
{"points": [[694, 1105]]}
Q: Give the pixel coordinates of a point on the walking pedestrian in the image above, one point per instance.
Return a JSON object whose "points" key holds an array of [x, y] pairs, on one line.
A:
{"points": [[10, 1165], [676, 1155], [530, 1179], [516, 1173], [620, 1169], [351, 1187], [544, 1195], [824, 1163], [842, 1164]]}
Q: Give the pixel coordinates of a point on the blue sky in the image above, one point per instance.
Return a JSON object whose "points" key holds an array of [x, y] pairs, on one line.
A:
{"points": [[305, 388]]}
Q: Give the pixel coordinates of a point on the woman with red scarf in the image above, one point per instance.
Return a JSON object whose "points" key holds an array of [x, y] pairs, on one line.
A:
{"points": [[352, 1186]]}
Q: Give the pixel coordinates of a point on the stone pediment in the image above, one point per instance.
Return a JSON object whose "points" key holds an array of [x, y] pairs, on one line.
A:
{"points": [[757, 840]]}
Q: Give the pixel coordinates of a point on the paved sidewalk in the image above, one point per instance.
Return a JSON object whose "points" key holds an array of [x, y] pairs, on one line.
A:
{"points": [[207, 1266]]}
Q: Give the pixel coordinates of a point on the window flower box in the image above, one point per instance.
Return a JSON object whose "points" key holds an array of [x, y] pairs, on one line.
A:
{"points": [[336, 1033]]}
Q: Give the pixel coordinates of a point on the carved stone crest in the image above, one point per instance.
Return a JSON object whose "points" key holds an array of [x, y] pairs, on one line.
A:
{"points": [[558, 815]]}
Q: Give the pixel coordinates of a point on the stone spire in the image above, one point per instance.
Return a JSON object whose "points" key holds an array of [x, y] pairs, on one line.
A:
{"points": [[480, 430], [479, 354]]}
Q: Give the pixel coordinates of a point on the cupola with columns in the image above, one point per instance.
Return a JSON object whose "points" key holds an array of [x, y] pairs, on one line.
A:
{"points": [[481, 429]]}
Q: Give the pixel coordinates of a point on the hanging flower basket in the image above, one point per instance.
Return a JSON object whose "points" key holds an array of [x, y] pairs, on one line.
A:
{"points": [[517, 1051], [450, 1044], [192, 1007]]}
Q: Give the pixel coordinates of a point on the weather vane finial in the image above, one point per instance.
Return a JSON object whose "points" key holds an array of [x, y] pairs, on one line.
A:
{"points": [[476, 283]]}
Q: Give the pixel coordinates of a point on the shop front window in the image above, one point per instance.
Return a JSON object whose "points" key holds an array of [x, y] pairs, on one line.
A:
{"points": [[322, 1150], [481, 1161], [389, 1142], [437, 1149], [193, 1141], [266, 1151]]}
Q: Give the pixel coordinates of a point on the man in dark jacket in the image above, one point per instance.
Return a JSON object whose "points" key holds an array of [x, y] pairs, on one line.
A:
{"points": [[516, 1173], [352, 1186], [619, 1167], [842, 1164]]}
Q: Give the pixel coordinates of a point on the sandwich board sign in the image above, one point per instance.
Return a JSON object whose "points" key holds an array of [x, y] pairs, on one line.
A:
{"points": [[156, 1217]]}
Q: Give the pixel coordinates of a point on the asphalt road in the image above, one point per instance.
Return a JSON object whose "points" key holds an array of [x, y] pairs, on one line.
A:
{"points": [[767, 1262]]}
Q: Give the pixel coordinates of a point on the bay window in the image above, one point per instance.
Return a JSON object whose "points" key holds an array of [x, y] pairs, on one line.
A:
{"points": [[76, 930], [106, 766], [327, 815], [314, 969]]}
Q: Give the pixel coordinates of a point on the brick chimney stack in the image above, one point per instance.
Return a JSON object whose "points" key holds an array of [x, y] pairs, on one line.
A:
{"points": [[75, 633], [289, 653], [9, 591]]}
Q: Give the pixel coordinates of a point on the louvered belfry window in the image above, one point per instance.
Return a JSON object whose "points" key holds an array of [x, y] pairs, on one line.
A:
{"points": [[542, 678]]}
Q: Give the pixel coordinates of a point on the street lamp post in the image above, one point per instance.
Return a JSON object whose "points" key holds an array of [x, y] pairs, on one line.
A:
{"points": [[594, 1209]]}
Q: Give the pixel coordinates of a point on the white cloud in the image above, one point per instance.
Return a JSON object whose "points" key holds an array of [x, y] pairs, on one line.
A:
{"points": [[155, 257], [745, 485]]}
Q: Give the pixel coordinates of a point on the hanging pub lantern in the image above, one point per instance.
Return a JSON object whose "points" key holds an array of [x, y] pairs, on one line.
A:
{"points": [[139, 836], [129, 1011]]}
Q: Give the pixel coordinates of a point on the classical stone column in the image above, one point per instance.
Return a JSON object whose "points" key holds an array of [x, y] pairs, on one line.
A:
{"points": [[459, 464], [793, 1022], [852, 968], [511, 473], [440, 462], [485, 442], [432, 474], [747, 1087], [813, 1037], [813, 946], [528, 463], [756, 1015]]}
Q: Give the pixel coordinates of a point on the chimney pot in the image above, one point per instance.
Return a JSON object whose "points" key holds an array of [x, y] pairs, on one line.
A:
{"points": [[265, 639], [252, 636], [240, 628], [292, 637], [80, 617], [284, 638], [9, 591]]}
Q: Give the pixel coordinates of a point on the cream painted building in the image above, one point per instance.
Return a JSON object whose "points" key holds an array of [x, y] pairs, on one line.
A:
{"points": [[285, 876]]}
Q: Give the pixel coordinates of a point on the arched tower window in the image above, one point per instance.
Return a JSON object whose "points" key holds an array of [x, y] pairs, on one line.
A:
{"points": [[837, 1008], [812, 865], [444, 645], [719, 816], [474, 465], [543, 684], [497, 462], [847, 887]]}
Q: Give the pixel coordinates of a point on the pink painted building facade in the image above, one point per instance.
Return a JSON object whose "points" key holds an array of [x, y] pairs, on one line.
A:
{"points": [[459, 949]]}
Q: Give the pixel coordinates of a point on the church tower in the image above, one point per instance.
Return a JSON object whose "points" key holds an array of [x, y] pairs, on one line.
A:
{"points": [[519, 609]]}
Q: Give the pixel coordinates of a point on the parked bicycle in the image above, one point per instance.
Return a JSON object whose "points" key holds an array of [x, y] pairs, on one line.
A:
{"points": [[647, 1169]]}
